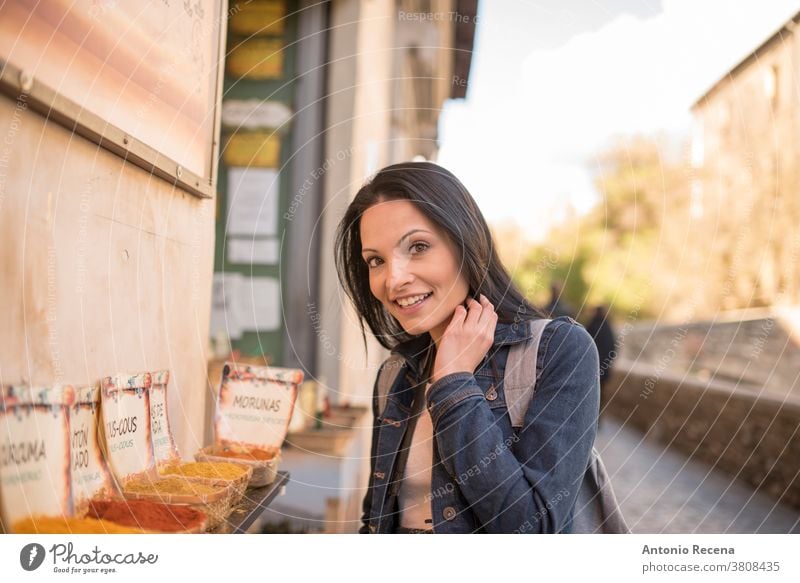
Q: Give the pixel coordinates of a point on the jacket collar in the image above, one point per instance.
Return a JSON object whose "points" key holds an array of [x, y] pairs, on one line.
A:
{"points": [[413, 350]]}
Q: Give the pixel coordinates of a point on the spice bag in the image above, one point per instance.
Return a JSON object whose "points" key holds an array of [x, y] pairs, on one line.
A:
{"points": [[254, 407], [126, 431], [91, 477], [164, 448], [35, 451]]}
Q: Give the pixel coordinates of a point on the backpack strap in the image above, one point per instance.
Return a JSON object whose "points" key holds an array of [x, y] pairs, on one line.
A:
{"points": [[519, 380]]}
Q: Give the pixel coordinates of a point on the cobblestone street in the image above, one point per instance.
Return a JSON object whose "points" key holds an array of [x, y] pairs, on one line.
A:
{"points": [[660, 490]]}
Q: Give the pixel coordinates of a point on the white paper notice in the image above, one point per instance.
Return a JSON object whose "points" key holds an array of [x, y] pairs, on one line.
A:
{"points": [[252, 251], [224, 312], [252, 201], [258, 304]]}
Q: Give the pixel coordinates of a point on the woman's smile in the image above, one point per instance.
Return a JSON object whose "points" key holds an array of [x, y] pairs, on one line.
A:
{"points": [[412, 304]]}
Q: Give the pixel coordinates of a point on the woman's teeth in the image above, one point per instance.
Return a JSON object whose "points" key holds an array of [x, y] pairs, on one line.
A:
{"points": [[406, 302]]}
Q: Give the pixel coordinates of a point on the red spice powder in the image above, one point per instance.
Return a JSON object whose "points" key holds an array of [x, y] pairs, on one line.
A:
{"points": [[148, 515]]}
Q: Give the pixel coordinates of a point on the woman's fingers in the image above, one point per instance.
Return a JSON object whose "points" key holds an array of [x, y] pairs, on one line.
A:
{"points": [[475, 310], [481, 319], [457, 321]]}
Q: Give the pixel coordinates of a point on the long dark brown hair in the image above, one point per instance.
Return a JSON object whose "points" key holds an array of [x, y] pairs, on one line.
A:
{"points": [[441, 197]]}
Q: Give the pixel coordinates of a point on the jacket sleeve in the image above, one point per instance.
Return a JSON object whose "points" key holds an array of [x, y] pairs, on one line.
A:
{"points": [[532, 488]]}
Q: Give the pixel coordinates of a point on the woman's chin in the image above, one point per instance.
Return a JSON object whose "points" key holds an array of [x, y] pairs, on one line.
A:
{"points": [[416, 329]]}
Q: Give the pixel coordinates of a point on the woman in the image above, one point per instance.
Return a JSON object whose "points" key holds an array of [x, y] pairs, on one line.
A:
{"points": [[416, 257]]}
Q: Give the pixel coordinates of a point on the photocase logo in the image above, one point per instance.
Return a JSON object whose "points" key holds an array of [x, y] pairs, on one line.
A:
{"points": [[31, 556]]}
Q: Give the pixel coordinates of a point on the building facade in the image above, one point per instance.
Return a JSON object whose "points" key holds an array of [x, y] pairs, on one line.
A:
{"points": [[745, 188]]}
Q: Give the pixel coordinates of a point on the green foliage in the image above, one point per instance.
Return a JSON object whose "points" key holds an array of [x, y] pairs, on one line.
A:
{"points": [[624, 252]]}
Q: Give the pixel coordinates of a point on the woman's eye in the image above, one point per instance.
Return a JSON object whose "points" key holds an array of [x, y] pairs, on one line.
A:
{"points": [[419, 247], [373, 261]]}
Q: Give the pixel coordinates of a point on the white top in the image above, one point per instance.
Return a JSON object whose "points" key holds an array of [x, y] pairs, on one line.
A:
{"points": [[414, 496]]}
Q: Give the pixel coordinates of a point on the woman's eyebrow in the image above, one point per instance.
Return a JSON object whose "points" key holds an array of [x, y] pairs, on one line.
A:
{"points": [[401, 239]]}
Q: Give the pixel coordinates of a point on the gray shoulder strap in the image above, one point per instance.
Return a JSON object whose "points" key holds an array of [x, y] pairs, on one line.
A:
{"points": [[387, 374], [519, 380]]}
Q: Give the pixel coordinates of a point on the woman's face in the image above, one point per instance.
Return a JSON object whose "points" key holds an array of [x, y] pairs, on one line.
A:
{"points": [[413, 267]]}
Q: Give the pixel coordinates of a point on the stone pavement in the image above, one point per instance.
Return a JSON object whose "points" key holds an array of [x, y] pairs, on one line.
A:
{"points": [[661, 490]]}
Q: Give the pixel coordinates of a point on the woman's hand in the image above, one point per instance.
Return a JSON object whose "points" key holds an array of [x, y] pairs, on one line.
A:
{"points": [[467, 339]]}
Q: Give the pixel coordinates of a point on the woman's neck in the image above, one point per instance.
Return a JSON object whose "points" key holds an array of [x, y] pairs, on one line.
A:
{"points": [[438, 331]]}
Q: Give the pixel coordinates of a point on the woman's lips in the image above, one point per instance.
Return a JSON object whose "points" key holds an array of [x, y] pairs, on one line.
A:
{"points": [[413, 308]]}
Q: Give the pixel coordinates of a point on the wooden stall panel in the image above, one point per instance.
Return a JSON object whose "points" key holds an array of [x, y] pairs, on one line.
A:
{"points": [[148, 68], [105, 269]]}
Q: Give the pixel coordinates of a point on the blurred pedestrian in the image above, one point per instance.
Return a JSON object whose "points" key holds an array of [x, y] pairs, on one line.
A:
{"points": [[601, 329], [558, 306]]}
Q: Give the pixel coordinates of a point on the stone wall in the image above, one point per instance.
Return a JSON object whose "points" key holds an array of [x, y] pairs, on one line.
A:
{"points": [[757, 349], [751, 436]]}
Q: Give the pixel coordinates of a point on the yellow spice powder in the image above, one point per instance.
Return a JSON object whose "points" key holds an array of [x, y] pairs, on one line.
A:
{"points": [[218, 470], [61, 525], [170, 485]]}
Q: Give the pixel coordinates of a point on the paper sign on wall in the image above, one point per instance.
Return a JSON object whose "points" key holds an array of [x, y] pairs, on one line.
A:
{"points": [[254, 114], [35, 451], [250, 251], [126, 425], [224, 313], [258, 304], [252, 202]]}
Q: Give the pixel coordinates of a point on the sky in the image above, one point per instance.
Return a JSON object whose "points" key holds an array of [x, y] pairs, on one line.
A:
{"points": [[554, 82]]}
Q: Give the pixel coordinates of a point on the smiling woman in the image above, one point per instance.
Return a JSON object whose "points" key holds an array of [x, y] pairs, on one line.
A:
{"points": [[416, 257]]}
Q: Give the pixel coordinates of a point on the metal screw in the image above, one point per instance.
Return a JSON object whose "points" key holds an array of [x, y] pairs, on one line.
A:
{"points": [[178, 171], [125, 140], [25, 81]]}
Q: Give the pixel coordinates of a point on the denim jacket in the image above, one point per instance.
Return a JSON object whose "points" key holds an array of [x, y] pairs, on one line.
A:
{"points": [[486, 476]]}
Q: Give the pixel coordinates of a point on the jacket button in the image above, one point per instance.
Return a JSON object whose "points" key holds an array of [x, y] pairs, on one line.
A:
{"points": [[379, 475], [449, 513], [491, 394]]}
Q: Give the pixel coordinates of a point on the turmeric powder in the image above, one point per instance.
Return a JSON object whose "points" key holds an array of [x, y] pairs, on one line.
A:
{"points": [[61, 525], [170, 485], [218, 470]]}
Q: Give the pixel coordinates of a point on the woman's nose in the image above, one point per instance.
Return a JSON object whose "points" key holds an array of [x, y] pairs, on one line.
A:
{"points": [[399, 275]]}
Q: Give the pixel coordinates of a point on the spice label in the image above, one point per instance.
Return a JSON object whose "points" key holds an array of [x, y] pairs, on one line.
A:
{"points": [[126, 425], [255, 404], [35, 452], [164, 447], [90, 475]]}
